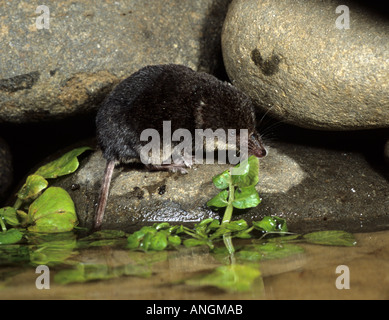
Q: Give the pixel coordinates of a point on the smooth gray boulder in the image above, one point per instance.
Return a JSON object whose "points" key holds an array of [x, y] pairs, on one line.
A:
{"points": [[90, 46], [291, 57]]}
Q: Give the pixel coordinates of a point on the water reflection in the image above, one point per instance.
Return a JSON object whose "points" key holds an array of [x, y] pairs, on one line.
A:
{"points": [[113, 272]]}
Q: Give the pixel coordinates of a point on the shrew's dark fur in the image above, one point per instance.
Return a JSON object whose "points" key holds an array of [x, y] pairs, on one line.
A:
{"points": [[189, 99]]}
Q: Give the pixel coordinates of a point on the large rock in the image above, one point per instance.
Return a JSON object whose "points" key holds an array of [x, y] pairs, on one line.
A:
{"points": [[312, 188], [5, 169], [292, 59], [89, 46]]}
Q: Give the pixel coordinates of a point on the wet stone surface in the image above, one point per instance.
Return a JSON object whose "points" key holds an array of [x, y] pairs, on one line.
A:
{"points": [[313, 188]]}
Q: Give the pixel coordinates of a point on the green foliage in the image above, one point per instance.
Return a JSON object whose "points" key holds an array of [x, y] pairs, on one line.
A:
{"points": [[157, 237], [64, 165], [10, 236], [9, 216], [271, 224], [32, 188], [238, 191], [42, 209], [238, 188], [53, 211]]}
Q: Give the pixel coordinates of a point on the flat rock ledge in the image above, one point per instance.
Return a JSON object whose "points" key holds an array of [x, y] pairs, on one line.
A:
{"points": [[312, 188]]}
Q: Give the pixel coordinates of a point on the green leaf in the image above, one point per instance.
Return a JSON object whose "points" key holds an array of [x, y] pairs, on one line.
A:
{"points": [[156, 238], [10, 236], [32, 188], [240, 171], [23, 217], [174, 240], [215, 224], [135, 239], [233, 277], [161, 226], [222, 181], [64, 165], [158, 242], [331, 238], [244, 234], [53, 211], [146, 241], [204, 223], [238, 225], [246, 197], [141, 238], [246, 173], [220, 200], [271, 224], [10, 216]]}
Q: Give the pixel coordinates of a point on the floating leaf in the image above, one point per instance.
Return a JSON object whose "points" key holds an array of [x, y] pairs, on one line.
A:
{"points": [[174, 240], [246, 197], [331, 238], [159, 241], [271, 224], [157, 237], [32, 188], [10, 236], [66, 164], [233, 277], [135, 239], [53, 211]]}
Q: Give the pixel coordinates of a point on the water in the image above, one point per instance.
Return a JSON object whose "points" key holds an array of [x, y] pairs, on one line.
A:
{"points": [[310, 274]]}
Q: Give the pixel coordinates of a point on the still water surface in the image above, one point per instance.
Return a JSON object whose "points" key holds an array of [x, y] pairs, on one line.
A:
{"points": [[306, 275]]}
